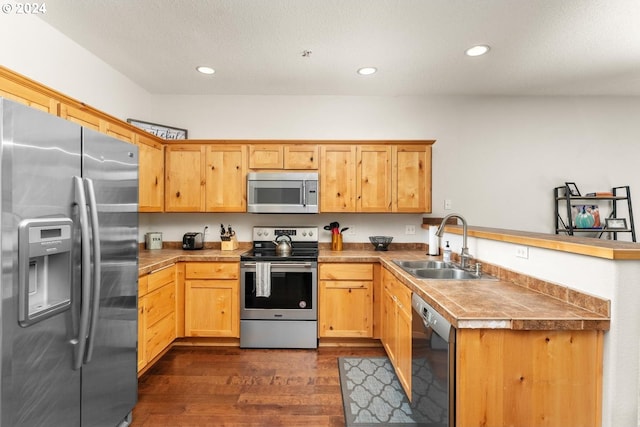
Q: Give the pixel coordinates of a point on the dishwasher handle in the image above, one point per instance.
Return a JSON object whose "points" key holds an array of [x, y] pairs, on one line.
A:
{"points": [[431, 318]]}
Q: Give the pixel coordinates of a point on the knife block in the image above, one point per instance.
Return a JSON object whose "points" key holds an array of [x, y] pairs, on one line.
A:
{"points": [[229, 245]]}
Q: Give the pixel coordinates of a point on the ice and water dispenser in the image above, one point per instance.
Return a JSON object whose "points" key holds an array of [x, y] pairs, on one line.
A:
{"points": [[45, 269]]}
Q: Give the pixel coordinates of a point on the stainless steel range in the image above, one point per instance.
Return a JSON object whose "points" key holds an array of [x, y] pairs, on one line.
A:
{"points": [[279, 289]]}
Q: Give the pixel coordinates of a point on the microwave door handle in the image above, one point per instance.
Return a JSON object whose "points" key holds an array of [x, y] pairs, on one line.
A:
{"points": [[304, 193]]}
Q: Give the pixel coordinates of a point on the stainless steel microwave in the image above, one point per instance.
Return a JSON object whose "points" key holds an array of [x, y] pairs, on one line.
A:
{"points": [[282, 192]]}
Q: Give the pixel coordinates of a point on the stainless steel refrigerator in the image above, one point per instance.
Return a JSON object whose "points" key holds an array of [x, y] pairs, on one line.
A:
{"points": [[69, 245]]}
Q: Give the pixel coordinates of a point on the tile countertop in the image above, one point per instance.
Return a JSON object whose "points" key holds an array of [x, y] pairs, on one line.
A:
{"points": [[465, 303]]}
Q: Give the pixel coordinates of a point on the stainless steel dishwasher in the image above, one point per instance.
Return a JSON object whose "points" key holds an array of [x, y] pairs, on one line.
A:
{"points": [[433, 366]]}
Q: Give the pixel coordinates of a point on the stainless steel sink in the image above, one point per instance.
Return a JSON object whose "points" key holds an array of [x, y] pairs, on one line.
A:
{"points": [[439, 270], [444, 273], [423, 264]]}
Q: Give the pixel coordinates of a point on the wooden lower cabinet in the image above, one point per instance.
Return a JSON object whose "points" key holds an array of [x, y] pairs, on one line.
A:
{"points": [[396, 327], [528, 378], [212, 299], [156, 314], [345, 300]]}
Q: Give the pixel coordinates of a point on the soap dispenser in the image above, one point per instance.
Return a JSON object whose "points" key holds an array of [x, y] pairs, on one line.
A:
{"points": [[446, 254]]}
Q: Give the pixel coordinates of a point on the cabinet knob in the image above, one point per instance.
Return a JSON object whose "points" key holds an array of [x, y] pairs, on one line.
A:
{"points": [[177, 194]]}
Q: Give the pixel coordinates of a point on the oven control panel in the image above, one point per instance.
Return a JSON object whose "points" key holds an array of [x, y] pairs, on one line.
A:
{"points": [[297, 234]]}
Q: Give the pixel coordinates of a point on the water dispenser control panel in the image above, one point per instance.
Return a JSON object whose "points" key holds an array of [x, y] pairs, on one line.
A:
{"points": [[44, 258]]}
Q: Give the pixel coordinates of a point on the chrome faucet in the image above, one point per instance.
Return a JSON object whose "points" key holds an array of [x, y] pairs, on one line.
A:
{"points": [[464, 253]]}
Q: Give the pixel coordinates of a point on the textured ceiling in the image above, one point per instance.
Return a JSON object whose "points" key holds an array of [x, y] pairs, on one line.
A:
{"points": [[539, 47]]}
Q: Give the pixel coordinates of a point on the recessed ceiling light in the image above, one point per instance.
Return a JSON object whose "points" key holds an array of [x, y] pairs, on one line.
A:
{"points": [[477, 50], [205, 70], [365, 71]]}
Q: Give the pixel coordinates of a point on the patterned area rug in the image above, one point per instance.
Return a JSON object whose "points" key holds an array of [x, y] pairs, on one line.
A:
{"points": [[372, 395]]}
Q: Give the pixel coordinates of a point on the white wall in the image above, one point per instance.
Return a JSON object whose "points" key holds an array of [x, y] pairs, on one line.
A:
{"points": [[497, 158], [40, 52]]}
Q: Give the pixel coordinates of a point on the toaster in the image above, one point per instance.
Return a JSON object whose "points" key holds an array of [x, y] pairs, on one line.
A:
{"points": [[192, 241]]}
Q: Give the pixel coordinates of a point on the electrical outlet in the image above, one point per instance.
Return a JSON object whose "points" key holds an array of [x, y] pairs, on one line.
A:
{"points": [[207, 229], [409, 229], [522, 252], [448, 204], [351, 231]]}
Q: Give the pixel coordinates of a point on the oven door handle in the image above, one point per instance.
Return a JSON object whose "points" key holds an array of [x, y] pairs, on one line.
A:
{"points": [[281, 264]]}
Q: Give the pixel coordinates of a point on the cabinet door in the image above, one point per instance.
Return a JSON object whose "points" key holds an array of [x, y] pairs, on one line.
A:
{"points": [[373, 183], [159, 336], [266, 156], [115, 130], [150, 175], [159, 316], [345, 309], [212, 308], [226, 178], [18, 92], [142, 348], [412, 178], [301, 156], [403, 348], [388, 333], [80, 116], [337, 178], [185, 179]]}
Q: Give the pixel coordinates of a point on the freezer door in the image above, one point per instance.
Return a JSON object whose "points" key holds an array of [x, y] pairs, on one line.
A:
{"points": [[39, 154], [109, 375]]}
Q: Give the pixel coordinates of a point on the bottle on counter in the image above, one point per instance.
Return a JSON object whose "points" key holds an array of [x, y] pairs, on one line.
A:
{"points": [[446, 253]]}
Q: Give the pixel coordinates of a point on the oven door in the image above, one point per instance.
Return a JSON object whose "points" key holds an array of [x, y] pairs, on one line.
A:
{"points": [[293, 292]]}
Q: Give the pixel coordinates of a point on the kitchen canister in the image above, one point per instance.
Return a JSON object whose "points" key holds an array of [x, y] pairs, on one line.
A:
{"points": [[153, 240]]}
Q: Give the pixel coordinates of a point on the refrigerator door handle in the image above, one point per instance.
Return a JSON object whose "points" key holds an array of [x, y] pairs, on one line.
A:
{"points": [[97, 257], [81, 201]]}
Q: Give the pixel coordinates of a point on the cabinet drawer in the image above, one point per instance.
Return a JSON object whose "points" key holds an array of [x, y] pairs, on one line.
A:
{"points": [[345, 271], [399, 290], [404, 298], [212, 270], [160, 335], [160, 303], [347, 284], [161, 277]]}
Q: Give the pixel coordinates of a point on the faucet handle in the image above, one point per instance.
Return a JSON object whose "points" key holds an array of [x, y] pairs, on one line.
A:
{"points": [[478, 268]]}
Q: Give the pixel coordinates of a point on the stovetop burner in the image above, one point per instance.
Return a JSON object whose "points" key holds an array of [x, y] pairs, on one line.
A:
{"points": [[304, 244]]}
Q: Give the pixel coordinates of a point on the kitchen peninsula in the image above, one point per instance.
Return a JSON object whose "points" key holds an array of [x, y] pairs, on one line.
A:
{"points": [[521, 304]]}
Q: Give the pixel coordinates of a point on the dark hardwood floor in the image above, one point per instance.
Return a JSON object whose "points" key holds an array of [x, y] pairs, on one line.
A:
{"points": [[204, 386]]}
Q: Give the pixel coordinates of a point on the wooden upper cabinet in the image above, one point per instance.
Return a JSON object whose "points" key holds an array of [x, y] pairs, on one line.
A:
{"points": [[412, 178], [150, 175], [185, 178], [301, 157], [355, 178], [115, 130], [80, 115], [337, 178], [19, 92], [283, 156], [373, 178], [226, 178], [266, 156]]}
